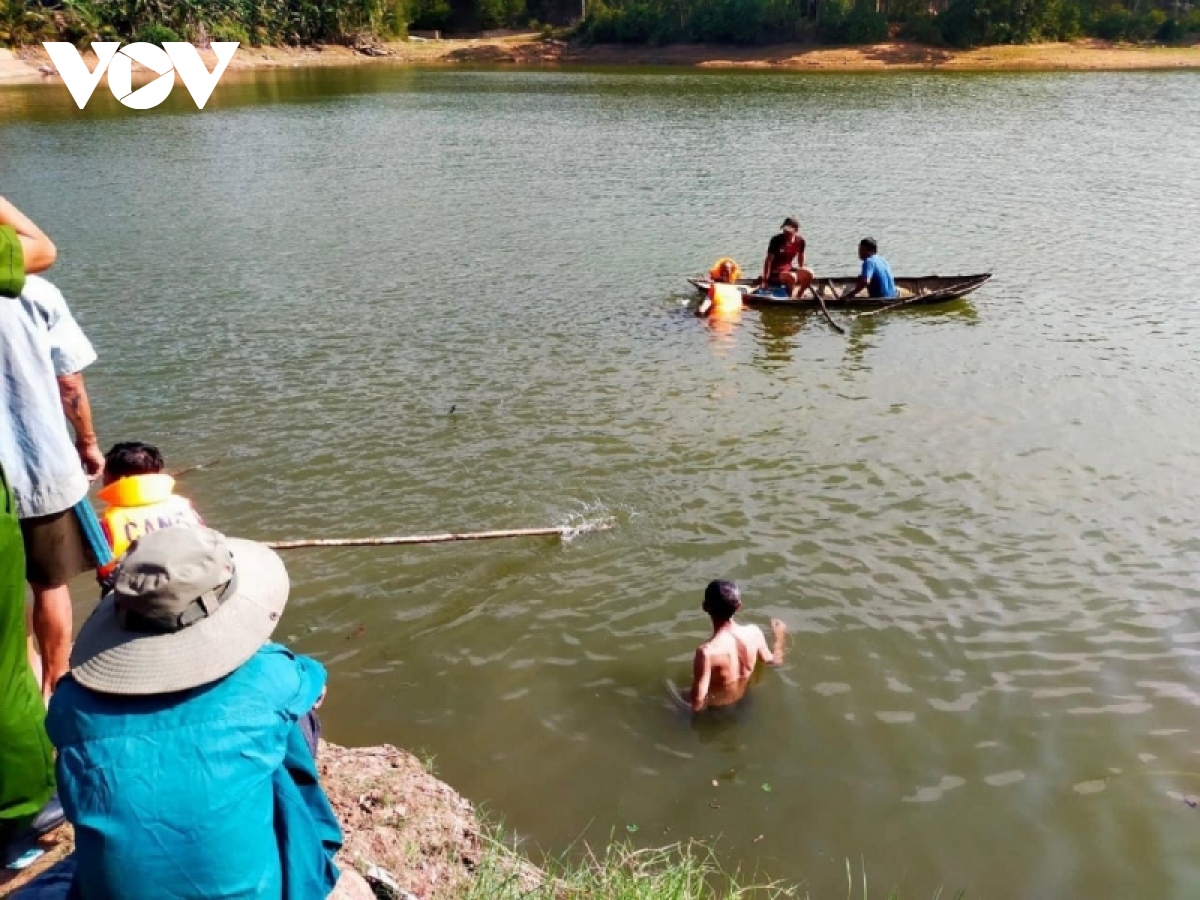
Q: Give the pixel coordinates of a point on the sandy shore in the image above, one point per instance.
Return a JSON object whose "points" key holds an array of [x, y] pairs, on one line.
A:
{"points": [[31, 65]]}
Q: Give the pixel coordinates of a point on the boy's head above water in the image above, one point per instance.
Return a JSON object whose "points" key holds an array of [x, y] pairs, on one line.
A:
{"points": [[722, 600], [131, 458]]}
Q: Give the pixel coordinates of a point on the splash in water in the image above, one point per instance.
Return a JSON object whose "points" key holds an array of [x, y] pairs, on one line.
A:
{"points": [[593, 517]]}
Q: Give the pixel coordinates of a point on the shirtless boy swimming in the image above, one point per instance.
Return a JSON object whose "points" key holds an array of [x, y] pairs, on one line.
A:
{"points": [[724, 663]]}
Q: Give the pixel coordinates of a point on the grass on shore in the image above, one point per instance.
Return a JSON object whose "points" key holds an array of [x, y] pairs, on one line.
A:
{"points": [[623, 872]]}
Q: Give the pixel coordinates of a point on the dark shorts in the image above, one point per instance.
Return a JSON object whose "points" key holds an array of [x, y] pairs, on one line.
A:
{"points": [[310, 727], [55, 548]]}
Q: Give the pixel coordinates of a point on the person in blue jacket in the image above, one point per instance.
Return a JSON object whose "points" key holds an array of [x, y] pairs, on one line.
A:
{"points": [[183, 758], [876, 275]]}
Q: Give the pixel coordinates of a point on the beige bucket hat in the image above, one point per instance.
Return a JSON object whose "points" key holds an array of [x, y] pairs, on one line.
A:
{"points": [[188, 607]]}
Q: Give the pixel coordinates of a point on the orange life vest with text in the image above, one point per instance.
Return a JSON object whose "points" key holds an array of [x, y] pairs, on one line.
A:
{"points": [[138, 505]]}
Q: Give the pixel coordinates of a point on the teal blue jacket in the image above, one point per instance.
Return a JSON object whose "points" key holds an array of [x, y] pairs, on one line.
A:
{"points": [[208, 793]]}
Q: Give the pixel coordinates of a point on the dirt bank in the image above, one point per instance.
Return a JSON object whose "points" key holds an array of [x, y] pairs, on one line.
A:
{"points": [[394, 815], [1075, 56], [31, 65]]}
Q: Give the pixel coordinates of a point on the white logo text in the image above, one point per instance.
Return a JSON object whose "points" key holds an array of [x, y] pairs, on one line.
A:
{"points": [[164, 61]]}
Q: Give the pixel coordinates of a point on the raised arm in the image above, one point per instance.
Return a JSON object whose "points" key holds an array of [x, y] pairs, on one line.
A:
{"points": [[775, 656], [78, 410], [39, 250], [701, 677]]}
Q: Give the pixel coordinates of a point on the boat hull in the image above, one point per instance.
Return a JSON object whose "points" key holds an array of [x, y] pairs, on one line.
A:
{"points": [[924, 291]]}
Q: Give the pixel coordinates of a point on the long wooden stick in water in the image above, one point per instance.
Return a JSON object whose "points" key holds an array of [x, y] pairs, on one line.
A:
{"points": [[204, 465], [816, 289], [428, 538], [903, 301]]}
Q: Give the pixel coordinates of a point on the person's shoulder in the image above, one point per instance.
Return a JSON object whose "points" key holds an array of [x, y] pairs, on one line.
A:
{"points": [[275, 658], [291, 680], [42, 294], [776, 241], [750, 635]]}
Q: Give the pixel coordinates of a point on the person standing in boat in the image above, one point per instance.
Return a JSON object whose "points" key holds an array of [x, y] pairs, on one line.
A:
{"points": [[784, 264], [876, 275]]}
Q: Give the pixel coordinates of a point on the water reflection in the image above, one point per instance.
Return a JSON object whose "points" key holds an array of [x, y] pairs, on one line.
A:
{"points": [[50, 101], [776, 333], [722, 325], [859, 339]]}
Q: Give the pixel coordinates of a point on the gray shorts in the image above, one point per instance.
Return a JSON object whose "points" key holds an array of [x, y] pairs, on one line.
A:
{"points": [[55, 548]]}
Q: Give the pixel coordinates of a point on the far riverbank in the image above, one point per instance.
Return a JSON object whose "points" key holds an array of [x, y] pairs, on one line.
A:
{"points": [[32, 65]]}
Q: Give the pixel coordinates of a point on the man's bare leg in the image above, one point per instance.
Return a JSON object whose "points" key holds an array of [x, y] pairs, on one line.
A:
{"points": [[52, 628], [35, 658], [804, 279]]}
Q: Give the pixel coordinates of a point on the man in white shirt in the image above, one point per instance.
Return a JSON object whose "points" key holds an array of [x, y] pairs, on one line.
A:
{"points": [[42, 354]]}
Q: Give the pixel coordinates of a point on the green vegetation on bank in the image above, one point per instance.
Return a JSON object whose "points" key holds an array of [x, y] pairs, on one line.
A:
{"points": [[958, 23], [248, 21], [261, 22], [623, 872]]}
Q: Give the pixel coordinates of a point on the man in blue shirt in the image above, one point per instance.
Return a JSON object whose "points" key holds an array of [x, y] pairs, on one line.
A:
{"points": [[876, 275], [182, 762]]}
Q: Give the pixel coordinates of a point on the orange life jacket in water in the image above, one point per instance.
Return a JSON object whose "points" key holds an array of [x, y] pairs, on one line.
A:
{"points": [[725, 270], [138, 505], [724, 297]]}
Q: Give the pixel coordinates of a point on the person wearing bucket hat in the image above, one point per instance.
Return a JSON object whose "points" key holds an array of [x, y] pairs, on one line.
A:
{"points": [[44, 353], [182, 762]]}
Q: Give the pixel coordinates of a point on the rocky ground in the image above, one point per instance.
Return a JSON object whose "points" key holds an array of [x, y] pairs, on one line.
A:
{"points": [[396, 817]]}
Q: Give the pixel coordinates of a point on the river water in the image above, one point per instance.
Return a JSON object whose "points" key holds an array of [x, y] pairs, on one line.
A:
{"points": [[981, 522]]}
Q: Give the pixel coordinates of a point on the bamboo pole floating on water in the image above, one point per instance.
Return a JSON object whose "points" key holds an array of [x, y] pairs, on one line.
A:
{"points": [[203, 465], [903, 301], [561, 531]]}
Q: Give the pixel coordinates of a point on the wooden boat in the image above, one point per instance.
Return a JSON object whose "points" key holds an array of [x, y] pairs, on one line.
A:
{"points": [[916, 291]]}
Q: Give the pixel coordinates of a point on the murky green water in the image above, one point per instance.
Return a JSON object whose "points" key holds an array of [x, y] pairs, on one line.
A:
{"points": [[981, 522]]}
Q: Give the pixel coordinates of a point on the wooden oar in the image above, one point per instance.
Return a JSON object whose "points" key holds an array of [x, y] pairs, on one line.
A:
{"points": [[816, 289], [560, 531]]}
